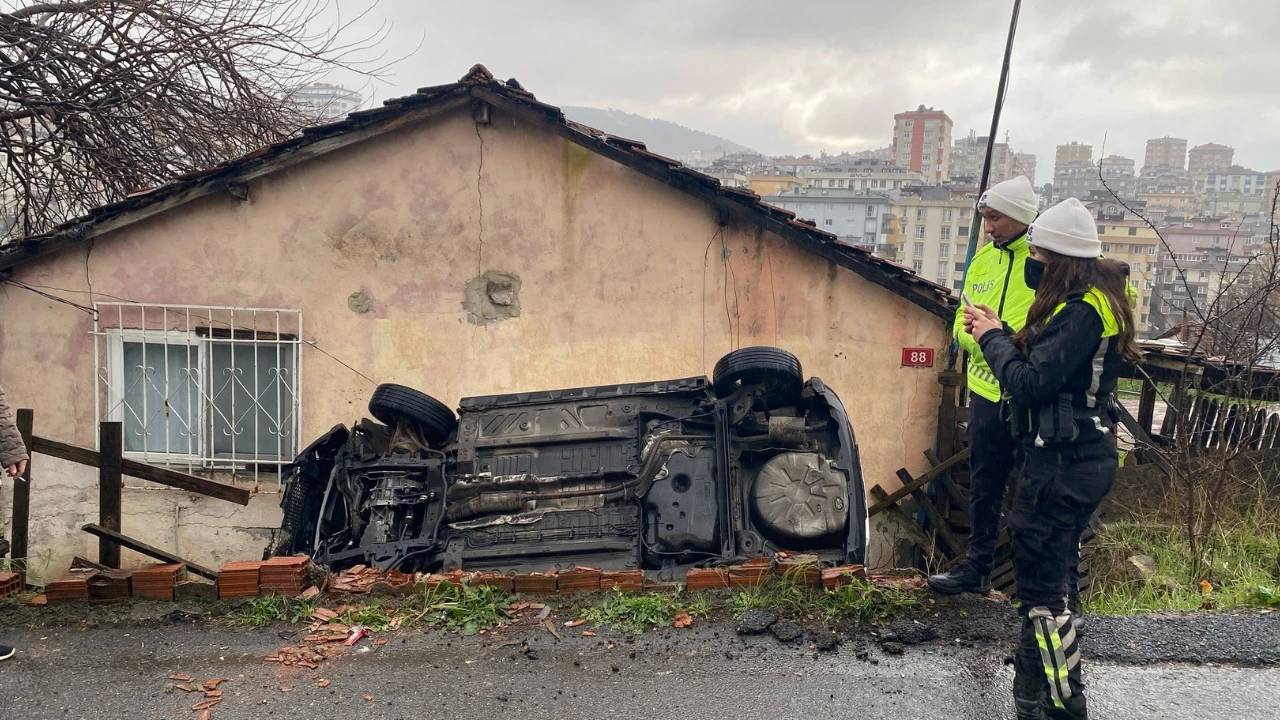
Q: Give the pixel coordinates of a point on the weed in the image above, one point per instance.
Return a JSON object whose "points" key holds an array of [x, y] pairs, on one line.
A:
{"points": [[1240, 566], [632, 613], [467, 609], [261, 611], [699, 605], [860, 601], [372, 615]]}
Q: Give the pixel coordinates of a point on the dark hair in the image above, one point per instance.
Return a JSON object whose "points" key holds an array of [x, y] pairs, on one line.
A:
{"points": [[1064, 276]]}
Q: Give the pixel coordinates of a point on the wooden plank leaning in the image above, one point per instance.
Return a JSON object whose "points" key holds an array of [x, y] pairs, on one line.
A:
{"points": [[143, 471], [917, 483]]}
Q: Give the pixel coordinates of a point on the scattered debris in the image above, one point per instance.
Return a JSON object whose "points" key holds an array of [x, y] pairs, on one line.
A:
{"points": [[588, 633], [310, 593], [756, 621], [357, 632], [323, 683], [682, 620], [576, 623], [383, 641], [182, 678], [893, 648], [368, 698], [786, 631], [185, 688], [206, 704], [551, 628]]}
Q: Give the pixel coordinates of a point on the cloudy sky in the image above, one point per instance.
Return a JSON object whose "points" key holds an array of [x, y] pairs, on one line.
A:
{"points": [[814, 75]]}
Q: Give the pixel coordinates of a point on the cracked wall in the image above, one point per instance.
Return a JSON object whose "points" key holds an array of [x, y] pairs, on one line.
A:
{"points": [[590, 274]]}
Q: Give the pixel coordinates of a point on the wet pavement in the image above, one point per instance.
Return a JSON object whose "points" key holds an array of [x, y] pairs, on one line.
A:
{"points": [[704, 672]]}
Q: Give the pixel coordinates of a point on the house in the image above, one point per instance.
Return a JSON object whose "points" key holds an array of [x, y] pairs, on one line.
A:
{"points": [[467, 239]]}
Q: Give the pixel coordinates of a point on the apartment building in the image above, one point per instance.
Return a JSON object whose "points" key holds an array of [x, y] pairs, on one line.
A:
{"points": [[933, 234], [922, 143]]}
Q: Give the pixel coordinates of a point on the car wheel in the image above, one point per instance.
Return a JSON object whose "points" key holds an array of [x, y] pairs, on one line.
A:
{"points": [[394, 404], [774, 368]]}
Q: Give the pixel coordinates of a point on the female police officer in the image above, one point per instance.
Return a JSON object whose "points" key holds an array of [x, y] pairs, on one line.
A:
{"points": [[1058, 375]]}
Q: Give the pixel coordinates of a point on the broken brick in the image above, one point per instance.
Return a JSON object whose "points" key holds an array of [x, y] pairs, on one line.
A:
{"points": [[625, 580], [576, 623], [206, 704], [212, 693], [682, 620], [322, 683], [181, 677], [836, 577], [698, 579]]}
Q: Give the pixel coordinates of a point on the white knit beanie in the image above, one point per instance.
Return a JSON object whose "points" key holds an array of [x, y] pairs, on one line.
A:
{"points": [[1068, 229], [1014, 198]]}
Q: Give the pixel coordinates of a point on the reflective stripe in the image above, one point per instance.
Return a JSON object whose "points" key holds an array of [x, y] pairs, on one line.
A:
{"points": [[1057, 665], [1099, 360]]}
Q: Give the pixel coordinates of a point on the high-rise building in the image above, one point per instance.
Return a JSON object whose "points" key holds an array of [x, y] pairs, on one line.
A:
{"points": [[325, 101], [1210, 157], [968, 154], [1024, 164], [933, 234], [1082, 179], [922, 142], [1166, 152], [1072, 152], [858, 218]]}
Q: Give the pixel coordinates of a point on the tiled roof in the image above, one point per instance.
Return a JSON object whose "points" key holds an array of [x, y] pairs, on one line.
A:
{"points": [[480, 85]]}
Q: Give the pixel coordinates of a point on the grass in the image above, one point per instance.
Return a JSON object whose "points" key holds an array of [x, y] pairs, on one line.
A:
{"points": [[1241, 568], [262, 611], [633, 614], [372, 615], [466, 609], [857, 602]]}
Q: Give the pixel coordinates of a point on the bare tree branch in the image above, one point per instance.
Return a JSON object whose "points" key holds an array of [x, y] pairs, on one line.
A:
{"points": [[100, 98]]}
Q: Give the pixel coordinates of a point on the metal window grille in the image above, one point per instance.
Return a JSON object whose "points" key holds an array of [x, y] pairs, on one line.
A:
{"points": [[202, 388]]}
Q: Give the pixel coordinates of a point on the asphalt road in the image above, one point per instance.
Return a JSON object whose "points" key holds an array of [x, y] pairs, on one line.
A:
{"points": [[704, 672]]}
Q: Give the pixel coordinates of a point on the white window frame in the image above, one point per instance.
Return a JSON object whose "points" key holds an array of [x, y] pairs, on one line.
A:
{"points": [[200, 327], [116, 340]]}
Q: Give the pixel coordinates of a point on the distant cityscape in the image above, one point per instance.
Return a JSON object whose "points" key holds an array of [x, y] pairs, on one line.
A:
{"points": [[912, 201]]}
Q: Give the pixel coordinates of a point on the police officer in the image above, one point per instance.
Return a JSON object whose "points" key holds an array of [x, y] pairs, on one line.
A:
{"points": [[995, 279], [1059, 374]]}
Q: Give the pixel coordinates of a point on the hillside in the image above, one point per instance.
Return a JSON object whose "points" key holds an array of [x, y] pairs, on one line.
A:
{"points": [[660, 136]]}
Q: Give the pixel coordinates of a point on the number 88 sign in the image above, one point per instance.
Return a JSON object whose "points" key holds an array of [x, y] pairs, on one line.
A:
{"points": [[917, 357]]}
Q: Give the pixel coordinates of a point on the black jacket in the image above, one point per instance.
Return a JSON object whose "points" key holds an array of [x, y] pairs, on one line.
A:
{"points": [[1068, 378]]}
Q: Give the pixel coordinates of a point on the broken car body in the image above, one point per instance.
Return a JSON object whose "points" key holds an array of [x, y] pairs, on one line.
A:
{"points": [[656, 476]]}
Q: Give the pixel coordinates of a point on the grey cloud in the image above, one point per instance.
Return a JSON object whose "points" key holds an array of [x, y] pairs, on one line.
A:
{"points": [[805, 76]]}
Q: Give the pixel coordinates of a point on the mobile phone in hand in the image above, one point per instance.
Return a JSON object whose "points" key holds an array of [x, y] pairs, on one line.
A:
{"points": [[964, 296]]}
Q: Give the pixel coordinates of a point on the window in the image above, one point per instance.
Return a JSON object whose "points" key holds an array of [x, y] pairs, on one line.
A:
{"points": [[946, 232], [828, 221], [1200, 290], [946, 215], [871, 211], [962, 231], [960, 267], [1102, 229], [1133, 231], [919, 231], [1195, 240], [1150, 285], [958, 285], [849, 222], [1136, 267], [920, 214], [944, 251], [192, 391], [1151, 249], [1106, 247], [917, 265], [944, 267], [917, 250]]}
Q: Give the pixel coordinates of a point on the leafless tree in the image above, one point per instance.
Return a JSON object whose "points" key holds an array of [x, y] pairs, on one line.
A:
{"points": [[99, 98], [1235, 332]]}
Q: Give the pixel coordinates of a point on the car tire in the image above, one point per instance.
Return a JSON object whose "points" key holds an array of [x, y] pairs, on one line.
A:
{"points": [[775, 368], [393, 404]]}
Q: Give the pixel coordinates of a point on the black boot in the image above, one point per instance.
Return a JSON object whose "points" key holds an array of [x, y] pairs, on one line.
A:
{"points": [[961, 578], [6, 652]]}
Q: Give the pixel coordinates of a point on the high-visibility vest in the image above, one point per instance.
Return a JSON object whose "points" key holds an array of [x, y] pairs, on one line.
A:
{"points": [[994, 279]]}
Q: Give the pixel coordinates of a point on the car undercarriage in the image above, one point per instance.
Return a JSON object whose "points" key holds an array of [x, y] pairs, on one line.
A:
{"points": [[655, 476]]}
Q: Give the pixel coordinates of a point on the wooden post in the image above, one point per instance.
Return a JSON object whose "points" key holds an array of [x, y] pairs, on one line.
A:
{"points": [[1147, 405], [111, 444], [22, 496]]}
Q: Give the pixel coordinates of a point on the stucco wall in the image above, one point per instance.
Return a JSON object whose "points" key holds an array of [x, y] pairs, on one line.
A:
{"points": [[622, 279]]}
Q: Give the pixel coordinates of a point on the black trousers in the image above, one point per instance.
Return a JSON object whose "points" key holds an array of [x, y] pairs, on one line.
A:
{"points": [[1059, 492], [991, 458]]}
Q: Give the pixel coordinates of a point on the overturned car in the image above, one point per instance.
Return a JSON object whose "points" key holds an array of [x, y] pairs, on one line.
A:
{"points": [[657, 476]]}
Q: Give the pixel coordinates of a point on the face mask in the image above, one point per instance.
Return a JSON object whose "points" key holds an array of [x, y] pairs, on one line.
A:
{"points": [[1032, 272]]}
